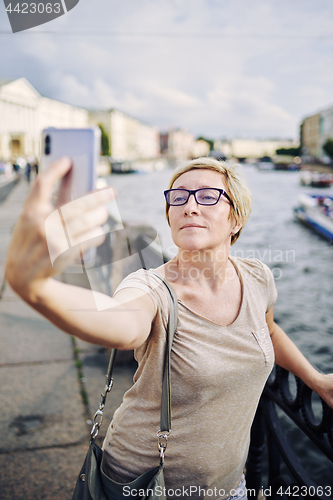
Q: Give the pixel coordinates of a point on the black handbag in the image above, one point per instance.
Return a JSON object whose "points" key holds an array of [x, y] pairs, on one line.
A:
{"points": [[93, 483]]}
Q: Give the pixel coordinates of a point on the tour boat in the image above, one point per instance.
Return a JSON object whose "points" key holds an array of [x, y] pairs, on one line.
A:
{"points": [[316, 211]]}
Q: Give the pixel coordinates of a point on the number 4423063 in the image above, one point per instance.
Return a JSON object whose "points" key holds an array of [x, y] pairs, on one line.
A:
{"points": [[34, 8], [305, 491]]}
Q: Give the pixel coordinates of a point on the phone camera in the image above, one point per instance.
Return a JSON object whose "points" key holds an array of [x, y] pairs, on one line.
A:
{"points": [[47, 149]]}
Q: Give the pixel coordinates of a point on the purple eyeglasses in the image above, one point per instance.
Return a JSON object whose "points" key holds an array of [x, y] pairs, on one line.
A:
{"points": [[203, 196]]}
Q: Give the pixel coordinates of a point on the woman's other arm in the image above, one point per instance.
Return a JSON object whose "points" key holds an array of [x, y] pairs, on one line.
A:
{"points": [[289, 357], [127, 321]]}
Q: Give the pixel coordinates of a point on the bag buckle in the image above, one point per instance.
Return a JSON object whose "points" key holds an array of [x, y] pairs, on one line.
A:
{"points": [[98, 419], [162, 443]]}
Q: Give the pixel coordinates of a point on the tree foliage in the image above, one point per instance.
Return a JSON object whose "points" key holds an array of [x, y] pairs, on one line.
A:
{"points": [[105, 141], [328, 148], [289, 151]]}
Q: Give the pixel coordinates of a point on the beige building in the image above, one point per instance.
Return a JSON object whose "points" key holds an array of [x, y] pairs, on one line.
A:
{"points": [[325, 127], [130, 138], [200, 148], [252, 148], [23, 115], [178, 144], [310, 135], [315, 130]]}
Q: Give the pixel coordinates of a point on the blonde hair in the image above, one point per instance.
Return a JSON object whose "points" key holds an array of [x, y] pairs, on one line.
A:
{"points": [[236, 188]]}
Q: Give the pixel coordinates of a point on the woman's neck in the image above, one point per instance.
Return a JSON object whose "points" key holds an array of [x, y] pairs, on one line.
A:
{"points": [[208, 266]]}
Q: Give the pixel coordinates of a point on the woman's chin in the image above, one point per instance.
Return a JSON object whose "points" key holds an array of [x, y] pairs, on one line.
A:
{"points": [[191, 245]]}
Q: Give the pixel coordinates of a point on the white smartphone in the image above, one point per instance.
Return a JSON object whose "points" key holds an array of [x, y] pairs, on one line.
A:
{"points": [[82, 146]]}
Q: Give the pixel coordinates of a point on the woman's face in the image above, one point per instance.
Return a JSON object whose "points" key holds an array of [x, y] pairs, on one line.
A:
{"points": [[199, 227]]}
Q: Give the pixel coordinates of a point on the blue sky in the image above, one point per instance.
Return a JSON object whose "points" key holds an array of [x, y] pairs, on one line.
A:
{"points": [[216, 67]]}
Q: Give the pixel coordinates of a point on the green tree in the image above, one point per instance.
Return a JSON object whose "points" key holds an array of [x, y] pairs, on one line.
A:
{"points": [[105, 141], [289, 151], [328, 148], [210, 142]]}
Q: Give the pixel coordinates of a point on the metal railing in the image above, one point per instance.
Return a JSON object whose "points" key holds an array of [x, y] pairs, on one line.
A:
{"points": [[268, 438]]}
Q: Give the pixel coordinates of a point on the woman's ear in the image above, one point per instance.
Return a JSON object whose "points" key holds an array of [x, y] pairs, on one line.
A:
{"points": [[235, 229]]}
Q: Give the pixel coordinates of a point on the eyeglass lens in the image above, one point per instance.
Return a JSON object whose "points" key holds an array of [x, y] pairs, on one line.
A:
{"points": [[202, 196]]}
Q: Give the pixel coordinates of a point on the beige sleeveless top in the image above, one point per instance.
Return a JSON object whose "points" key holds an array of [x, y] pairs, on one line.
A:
{"points": [[217, 376]]}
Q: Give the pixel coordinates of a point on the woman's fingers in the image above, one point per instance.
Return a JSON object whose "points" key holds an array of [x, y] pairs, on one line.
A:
{"points": [[85, 214], [87, 202], [79, 227], [77, 222], [43, 187], [43, 232], [75, 253]]}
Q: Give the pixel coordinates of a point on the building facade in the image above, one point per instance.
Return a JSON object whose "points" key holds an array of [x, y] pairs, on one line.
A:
{"points": [[179, 144], [315, 130], [130, 138], [252, 148], [325, 128], [24, 113], [310, 135], [200, 148]]}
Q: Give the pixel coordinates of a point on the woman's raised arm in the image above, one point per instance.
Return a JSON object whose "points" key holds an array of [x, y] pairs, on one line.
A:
{"points": [[127, 321], [290, 357]]}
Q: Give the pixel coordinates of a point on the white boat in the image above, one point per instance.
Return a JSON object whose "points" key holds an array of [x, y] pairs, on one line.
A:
{"points": [[316, 179], [316, 211], [265, 163]]}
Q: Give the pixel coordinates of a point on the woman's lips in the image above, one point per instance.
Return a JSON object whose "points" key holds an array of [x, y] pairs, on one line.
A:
{"points": [[186, 226]]}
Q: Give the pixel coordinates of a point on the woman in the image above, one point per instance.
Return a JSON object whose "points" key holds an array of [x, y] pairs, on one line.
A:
{"points": [[226, 337]]}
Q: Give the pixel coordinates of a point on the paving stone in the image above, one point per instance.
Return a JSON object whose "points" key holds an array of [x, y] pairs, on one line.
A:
{"points": [[6, 189], [41, 474], [26, 336], [85, 346], [41, 405]]}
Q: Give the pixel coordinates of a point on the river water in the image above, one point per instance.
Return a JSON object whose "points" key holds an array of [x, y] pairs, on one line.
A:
{"points": [[301, 261]]}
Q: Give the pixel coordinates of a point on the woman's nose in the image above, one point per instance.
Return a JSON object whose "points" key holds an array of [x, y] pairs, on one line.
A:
{"points": [[191, 206]]}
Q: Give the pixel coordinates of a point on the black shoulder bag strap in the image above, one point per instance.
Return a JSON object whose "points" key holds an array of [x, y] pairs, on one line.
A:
{"points": [[165, 419]]}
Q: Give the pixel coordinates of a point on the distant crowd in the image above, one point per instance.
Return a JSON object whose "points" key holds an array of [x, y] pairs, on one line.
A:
{"points": [[15, 169]]}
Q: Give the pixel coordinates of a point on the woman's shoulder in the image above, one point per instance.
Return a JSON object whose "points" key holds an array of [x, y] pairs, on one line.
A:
{"points": [[144, 279], [259, 278], [253, 268], [150, 283]]}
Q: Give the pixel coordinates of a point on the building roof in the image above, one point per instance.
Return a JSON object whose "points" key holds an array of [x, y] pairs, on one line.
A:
{"points": [[110, 110], [4, 81]]}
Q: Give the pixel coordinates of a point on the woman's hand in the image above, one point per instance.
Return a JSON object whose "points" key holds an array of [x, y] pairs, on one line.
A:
{"points": [[28, 264]]}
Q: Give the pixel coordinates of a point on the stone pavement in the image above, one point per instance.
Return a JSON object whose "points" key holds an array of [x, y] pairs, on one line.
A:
{"points": [[50, 386]]}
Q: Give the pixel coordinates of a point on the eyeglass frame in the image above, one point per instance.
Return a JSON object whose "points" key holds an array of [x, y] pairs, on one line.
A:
{"points": [[194, 191]]}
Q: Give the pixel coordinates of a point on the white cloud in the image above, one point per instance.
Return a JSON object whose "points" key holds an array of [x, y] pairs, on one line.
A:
{"points": [[236, 83]]}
